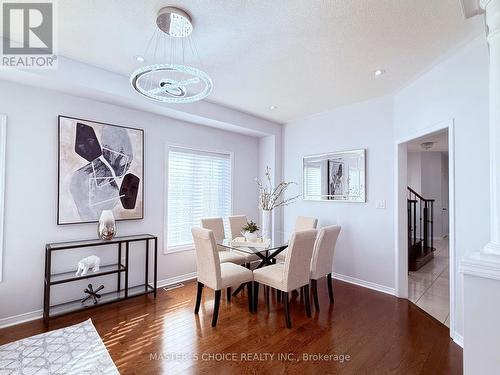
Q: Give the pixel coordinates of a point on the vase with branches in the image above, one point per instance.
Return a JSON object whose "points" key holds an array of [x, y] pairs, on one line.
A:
{"points": [[272, 197]]}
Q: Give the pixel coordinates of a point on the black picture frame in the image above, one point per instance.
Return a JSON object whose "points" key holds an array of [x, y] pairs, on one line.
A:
{"points": [[59, 170]]}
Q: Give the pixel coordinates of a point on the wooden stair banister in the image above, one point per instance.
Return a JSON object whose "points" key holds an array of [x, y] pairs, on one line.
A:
{"points": [[421, 244]]}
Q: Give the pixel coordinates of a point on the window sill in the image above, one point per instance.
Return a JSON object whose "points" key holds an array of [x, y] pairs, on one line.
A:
{"points": [[179, 249]]}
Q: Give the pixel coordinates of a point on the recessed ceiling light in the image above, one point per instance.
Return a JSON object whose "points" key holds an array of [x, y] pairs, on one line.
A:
{"points": [[140, 58], [379, 72], [273, 107]]}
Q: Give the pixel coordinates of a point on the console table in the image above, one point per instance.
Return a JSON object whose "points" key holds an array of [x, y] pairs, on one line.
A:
{"points": [[118, 268]]}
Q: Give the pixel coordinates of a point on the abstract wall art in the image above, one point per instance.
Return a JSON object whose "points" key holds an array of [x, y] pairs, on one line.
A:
{"points": [[101, 167]]}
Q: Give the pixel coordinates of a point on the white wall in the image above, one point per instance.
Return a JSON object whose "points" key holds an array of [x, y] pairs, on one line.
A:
{"points": [[428, 176], [31, 183], [433, 177], [481, 348], [457, 89], [365, 246], [414, 161]]}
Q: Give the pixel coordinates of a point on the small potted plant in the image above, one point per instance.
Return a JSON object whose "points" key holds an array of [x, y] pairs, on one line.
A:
{"points": [[250, 231]]}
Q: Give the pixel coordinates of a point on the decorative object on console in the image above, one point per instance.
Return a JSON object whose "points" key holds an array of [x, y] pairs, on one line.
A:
{"points": [[85, 264], [92, 293], [100, 168], [250, 231], [107, 225], [172, 82], [336, 176], [271, 197]]}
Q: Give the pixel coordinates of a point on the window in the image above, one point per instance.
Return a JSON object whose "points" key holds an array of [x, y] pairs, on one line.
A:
{"points": [[199, 185]]}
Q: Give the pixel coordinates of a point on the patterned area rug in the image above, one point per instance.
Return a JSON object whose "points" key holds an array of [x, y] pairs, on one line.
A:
{"points": [[77, 349]]}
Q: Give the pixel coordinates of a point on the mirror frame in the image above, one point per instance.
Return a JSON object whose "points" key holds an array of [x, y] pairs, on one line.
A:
{"points": [[328, 155]]}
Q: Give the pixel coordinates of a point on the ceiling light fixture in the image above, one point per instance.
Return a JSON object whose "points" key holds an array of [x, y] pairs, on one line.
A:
{"points": [[379, 72], [427, 145], [272, 107], [169, 79]]}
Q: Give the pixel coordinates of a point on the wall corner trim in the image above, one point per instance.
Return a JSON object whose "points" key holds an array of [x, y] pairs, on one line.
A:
{"points": [[458, 339], [481, 265]]}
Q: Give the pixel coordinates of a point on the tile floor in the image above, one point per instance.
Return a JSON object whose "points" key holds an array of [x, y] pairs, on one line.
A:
{"points": [[429, 287]]}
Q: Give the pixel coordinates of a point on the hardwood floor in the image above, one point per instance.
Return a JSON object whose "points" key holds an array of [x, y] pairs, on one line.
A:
{"points": [[380, 333]]}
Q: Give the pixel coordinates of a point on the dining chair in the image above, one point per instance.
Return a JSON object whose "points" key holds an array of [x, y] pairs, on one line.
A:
{"points": [[216, 225], [214, 274], [322, 260], [301, 223], [236, 224], [292, 274]]}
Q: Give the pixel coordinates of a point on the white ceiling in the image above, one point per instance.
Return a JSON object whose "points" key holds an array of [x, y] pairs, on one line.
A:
{"points": [[304, 56], [440, 140]]}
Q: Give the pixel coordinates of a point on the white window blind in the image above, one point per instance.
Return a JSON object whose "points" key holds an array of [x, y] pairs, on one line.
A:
{"points": [[199, 185]]}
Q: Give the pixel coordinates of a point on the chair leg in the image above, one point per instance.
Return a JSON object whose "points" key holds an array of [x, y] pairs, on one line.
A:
{"points": [[198, 297], [314, 287], [307, 300], [250, 296], [266, 296], [287, 310], [330, 287], [228, 294], [255, 295], [216, 307]]}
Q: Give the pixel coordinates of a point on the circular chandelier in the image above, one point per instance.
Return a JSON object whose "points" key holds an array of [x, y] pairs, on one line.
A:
{"points": [[172, 81]]}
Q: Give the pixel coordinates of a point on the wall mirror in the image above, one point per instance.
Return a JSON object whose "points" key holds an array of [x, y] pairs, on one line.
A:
{"points": [[336, 176]]}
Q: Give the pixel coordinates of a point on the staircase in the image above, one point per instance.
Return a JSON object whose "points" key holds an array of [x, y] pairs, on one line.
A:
{"points": [[420, 230]]}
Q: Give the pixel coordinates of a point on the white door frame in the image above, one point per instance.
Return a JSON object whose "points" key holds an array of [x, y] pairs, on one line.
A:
{"points": [[401, 215], [3, 153]]}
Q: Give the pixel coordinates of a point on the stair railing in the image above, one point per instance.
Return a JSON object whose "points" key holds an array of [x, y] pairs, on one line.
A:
{"points": [[421, 217]]}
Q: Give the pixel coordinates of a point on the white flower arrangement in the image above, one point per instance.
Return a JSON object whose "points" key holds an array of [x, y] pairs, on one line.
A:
{"points": [[272, 197]]}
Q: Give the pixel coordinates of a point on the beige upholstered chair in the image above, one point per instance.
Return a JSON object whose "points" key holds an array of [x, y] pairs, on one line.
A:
{"points": [[322, 260], [292, 274], [301, 223], [216, 225], [236, 223], [214, 274]]}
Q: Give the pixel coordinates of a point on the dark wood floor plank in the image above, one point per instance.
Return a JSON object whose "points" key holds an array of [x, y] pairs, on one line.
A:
{"points": [[380, 333]]}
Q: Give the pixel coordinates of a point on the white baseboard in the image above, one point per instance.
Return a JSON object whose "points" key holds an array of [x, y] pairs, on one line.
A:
{"points": [[365, 284], [458, 339], [38, 314], [176, 279], [21, 318]]}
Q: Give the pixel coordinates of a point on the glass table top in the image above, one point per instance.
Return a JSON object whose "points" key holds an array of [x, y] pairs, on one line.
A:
{"points": [[258, 248]]}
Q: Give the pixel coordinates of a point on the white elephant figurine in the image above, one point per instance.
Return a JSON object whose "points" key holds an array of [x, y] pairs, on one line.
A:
{"points": [[86, 263]]}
